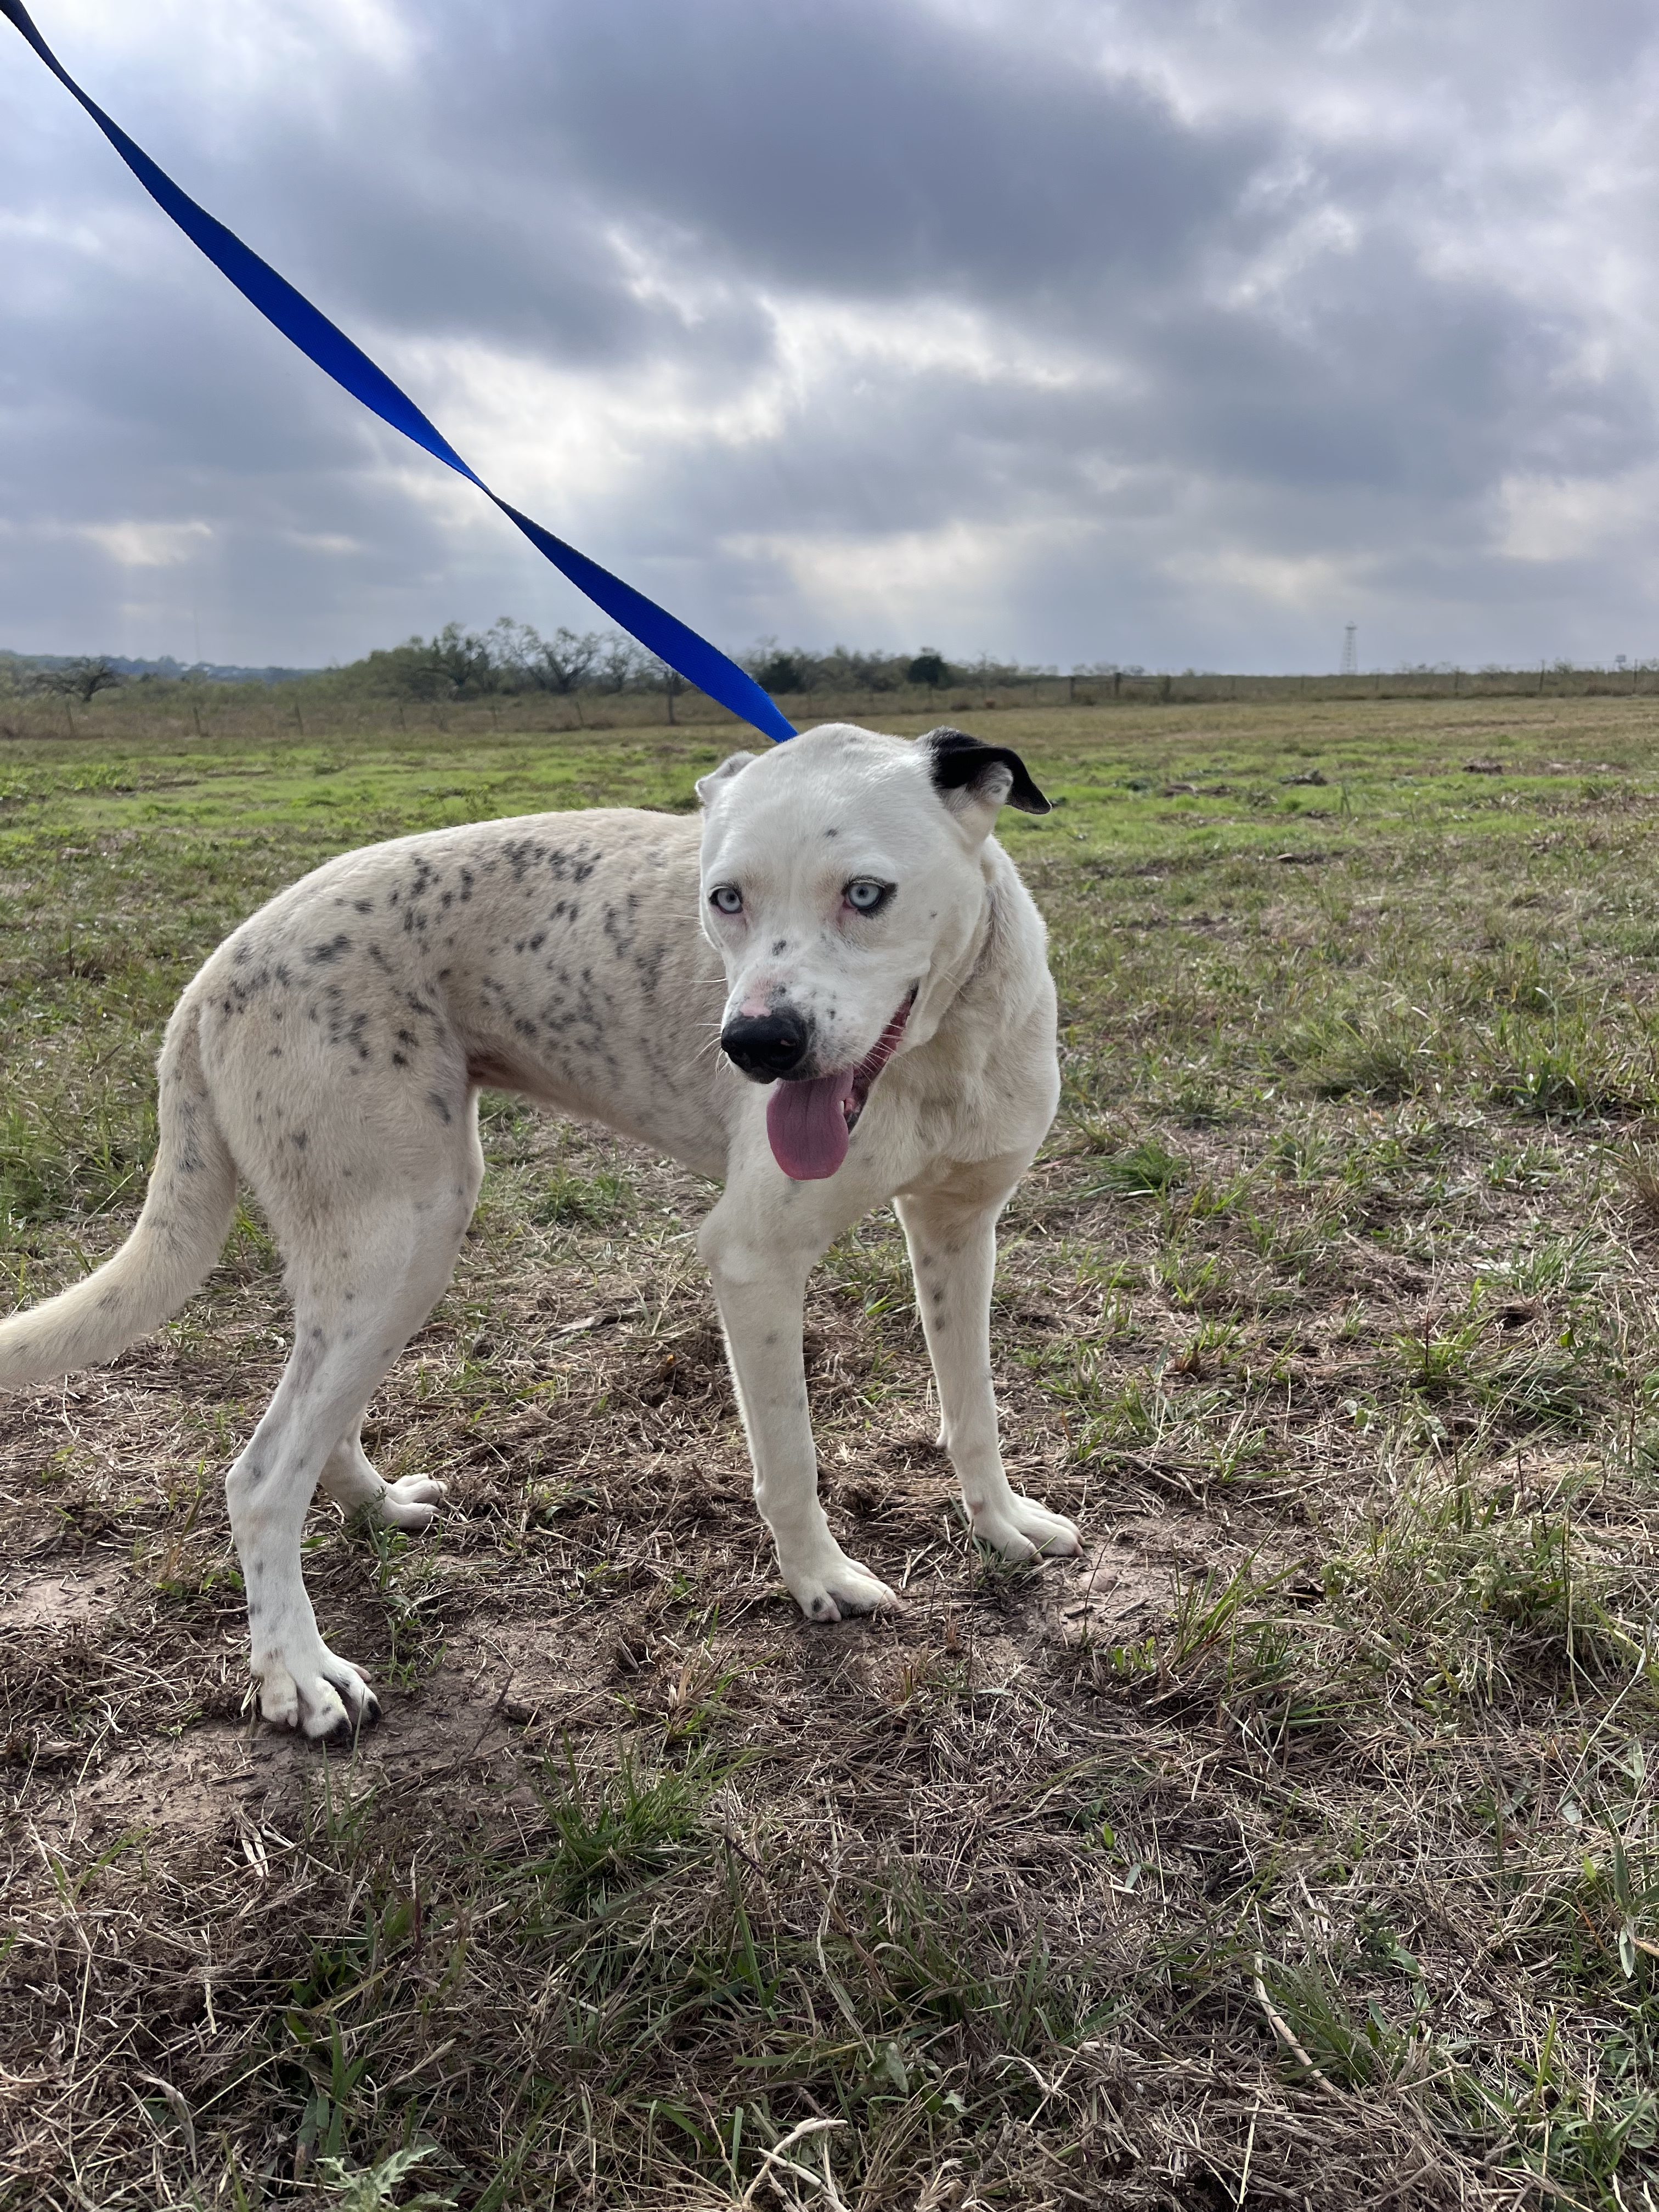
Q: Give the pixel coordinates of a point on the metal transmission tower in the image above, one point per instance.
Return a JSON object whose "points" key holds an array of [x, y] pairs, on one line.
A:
{"points": [[1350, 651]]}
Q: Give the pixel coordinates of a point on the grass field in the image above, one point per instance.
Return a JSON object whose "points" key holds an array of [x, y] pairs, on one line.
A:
{"points": [[1297, 1848]]}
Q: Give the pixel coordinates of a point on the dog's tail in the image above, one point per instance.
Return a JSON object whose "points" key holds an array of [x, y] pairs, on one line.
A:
{"points": [[187, 1210]]}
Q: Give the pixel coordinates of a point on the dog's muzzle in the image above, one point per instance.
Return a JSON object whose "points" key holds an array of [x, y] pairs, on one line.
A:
{"points": [[766, 1046]]}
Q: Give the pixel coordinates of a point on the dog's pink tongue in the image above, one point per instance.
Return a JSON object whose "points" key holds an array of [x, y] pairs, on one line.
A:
{"points": [[806, 1124]]}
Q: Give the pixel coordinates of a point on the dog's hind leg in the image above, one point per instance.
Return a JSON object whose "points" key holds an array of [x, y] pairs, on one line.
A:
{"points": [[951, 1229], [356, 1302]]}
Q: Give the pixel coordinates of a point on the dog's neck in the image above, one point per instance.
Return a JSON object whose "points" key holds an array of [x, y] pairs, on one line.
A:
{"points": [[988, 932], [948, 996]]}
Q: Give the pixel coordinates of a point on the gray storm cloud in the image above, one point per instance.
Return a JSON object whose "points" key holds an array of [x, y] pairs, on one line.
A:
{"points": [[1164, 333]]}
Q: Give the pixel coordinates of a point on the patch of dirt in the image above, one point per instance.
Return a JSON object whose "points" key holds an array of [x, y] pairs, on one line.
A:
{"points": [[1112, 1594], [180, 1797], [500, 1685], [55, 1601]]}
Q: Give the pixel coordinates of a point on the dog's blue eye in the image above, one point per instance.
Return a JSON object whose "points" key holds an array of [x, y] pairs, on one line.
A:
{"points": [[866, 897], [728, 898]]}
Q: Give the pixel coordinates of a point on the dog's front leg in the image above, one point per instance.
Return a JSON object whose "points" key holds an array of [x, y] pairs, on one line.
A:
{"points": [[759, 1256], [950, 1229]]}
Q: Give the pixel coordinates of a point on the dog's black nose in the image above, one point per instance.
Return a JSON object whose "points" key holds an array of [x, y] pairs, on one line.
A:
{"points": [[765, 1045]]}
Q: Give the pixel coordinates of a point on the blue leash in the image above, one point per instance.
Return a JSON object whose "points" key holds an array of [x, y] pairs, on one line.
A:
{"points": [[663, 634]]}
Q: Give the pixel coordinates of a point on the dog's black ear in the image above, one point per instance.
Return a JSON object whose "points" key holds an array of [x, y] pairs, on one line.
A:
{"points": [[991, 773], [733, 765]]}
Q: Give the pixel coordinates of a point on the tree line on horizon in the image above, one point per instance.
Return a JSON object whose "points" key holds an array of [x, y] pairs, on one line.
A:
{"points": [[513, 657], [509, 657]]}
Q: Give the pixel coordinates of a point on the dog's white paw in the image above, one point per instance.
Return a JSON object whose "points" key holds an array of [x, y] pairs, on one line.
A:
{"points": [[832, 1586], [411, 1501], [1023, 1529], [322, 1696]]}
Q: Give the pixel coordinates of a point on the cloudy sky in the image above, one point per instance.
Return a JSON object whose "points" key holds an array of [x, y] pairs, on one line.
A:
{"points": [[1176, 331]]}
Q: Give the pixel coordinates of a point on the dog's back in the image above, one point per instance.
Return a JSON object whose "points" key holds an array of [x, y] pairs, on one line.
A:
{"points": [[557, 956]]}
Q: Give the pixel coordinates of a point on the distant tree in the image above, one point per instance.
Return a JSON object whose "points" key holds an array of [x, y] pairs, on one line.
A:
{"points": [[929, 667], [512, 648], [456, 664], [842, 669], [419, 671], [776, 671], [564, 661], [619, 662], [82, 679], [656, 675]]}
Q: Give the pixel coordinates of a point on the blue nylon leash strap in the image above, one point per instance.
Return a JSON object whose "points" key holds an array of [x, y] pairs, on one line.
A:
{"points": [[663, 634]]}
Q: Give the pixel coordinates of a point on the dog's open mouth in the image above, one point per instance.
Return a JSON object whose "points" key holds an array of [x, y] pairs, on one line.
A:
{"points": [[809, 1122]]}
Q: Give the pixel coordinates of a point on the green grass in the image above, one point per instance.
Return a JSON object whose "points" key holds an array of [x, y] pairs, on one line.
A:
{"points": [[1302, 1849]]}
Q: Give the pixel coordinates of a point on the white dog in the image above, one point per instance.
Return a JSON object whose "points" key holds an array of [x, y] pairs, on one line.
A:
{"points": [[867, 949]]}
